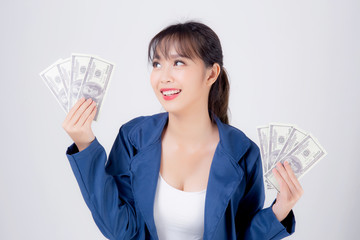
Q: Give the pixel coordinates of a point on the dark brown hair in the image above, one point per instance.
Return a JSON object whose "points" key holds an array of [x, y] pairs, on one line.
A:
{"points": [[194, 39]]}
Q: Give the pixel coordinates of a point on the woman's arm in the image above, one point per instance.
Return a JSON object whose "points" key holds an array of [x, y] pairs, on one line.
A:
{"points": [[108, 197], [254, 222], [113, 212]]}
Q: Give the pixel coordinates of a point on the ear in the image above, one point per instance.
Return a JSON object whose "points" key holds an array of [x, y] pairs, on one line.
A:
{"points": [[212, 74]]}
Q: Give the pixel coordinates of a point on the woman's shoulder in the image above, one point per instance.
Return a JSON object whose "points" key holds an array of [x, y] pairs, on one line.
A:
{"points": [[145, 129], [236, 138], [143, 120], [244, 150]]}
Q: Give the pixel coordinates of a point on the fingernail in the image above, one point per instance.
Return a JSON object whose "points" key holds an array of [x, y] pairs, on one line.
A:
{"points": [[82, 99], [286, 162]]}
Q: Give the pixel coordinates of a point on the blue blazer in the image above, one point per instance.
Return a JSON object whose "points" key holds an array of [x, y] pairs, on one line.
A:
{"points": [[120, 190]]}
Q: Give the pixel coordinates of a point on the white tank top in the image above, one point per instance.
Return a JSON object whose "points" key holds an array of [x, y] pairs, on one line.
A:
{"points": [[178, 214]]}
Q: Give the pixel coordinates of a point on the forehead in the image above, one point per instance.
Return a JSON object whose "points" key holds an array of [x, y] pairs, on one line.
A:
{"points": [[171, 54], [171, 47]]}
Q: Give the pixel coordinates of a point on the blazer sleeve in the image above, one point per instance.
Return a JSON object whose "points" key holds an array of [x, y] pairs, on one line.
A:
{"points": [[260, 223], [105, 185]]}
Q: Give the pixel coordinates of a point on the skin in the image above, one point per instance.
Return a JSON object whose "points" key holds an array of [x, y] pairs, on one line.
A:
{"points": [[78, 121], [190, 138]]}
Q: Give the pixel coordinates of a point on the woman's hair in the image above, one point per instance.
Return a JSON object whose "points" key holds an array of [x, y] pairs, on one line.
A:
{"points": [[193, 39]]}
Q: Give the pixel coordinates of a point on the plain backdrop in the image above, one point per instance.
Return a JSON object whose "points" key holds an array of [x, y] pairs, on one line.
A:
{"points": [[288, 61]]}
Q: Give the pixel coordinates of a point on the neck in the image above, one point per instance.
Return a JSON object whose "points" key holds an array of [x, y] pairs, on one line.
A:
{"points": [[191, 130]]}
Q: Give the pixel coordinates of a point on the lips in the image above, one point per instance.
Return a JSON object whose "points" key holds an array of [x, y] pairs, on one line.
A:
{"points": [[170, 93]]}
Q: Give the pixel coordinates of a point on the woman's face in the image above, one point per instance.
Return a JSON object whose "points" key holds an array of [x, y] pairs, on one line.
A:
{"points": [[180, 83]]}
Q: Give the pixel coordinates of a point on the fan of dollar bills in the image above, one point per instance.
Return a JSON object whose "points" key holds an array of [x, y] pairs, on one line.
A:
{"points": [[78, 76], [280, 142]]}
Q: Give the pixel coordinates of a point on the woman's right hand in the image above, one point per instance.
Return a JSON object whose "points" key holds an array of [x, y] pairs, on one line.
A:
{"points": [[78, 122]]}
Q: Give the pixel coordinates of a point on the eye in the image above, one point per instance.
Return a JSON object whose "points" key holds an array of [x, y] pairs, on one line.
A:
{"points": [[155, 64], [179, 63]]}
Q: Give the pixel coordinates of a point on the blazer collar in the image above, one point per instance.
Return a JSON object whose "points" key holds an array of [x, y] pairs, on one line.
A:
{"points": [[225, 172]]}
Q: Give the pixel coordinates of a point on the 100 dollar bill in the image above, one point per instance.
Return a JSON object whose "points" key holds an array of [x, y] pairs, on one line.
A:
{"points": [[79, 67], [96, 81], [263, 134], [53, 80], [278, 136]]}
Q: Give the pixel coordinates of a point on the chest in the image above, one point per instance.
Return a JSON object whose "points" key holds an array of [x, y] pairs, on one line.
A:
{"points": [[186, 170]]}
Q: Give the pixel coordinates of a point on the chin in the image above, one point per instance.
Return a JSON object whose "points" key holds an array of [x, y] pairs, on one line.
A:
{"points": [[171, 109]]}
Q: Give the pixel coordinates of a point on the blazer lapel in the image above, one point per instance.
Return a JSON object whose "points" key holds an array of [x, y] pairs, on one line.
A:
{"points": [[145, 166], [224, 177], [145, 169]]}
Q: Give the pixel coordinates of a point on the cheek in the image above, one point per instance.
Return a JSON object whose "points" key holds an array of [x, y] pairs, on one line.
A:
{"points": [[194, 81], [153, 81]]}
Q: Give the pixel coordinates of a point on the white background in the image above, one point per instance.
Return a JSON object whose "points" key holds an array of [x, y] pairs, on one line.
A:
{"points": [[288, 61]]}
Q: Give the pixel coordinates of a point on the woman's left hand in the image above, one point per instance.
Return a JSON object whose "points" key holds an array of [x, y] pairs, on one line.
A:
{"points": [[290, 190]]}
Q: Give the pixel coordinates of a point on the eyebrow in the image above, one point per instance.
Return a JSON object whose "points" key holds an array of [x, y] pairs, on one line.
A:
{"points": [[157, 56]]}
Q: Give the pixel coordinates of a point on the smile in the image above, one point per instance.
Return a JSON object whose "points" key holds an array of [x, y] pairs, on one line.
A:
{"points": [[170, 94]]}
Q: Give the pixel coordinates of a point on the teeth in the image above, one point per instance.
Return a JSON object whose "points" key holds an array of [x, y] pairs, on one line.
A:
{"points": [[167, 93]]}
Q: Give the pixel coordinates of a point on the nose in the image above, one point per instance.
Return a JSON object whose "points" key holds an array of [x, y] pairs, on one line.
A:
{"points": [[166, 75]]}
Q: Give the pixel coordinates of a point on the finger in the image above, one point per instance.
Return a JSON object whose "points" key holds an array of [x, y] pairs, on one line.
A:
{"points": [[292, 176], [283, 186], [74, 108], [91, 117], [80, 111], [86, 114], [285, 176]]}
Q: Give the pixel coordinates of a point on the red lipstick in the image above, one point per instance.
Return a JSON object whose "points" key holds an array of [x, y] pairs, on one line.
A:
{"points": [[174, 92]]}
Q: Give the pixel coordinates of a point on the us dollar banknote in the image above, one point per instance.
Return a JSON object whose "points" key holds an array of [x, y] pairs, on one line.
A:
{"points": [[64, 67], [79, 66], [295, 137], [278, 135], [263, 134], [96, 81], [53, 80]]}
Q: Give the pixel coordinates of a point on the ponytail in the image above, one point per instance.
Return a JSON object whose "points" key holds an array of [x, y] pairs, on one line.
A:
{"points": [[219, 97]]}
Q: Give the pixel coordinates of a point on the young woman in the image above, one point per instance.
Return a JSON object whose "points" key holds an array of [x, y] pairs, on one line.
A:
{"points": [[184, 173]]}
